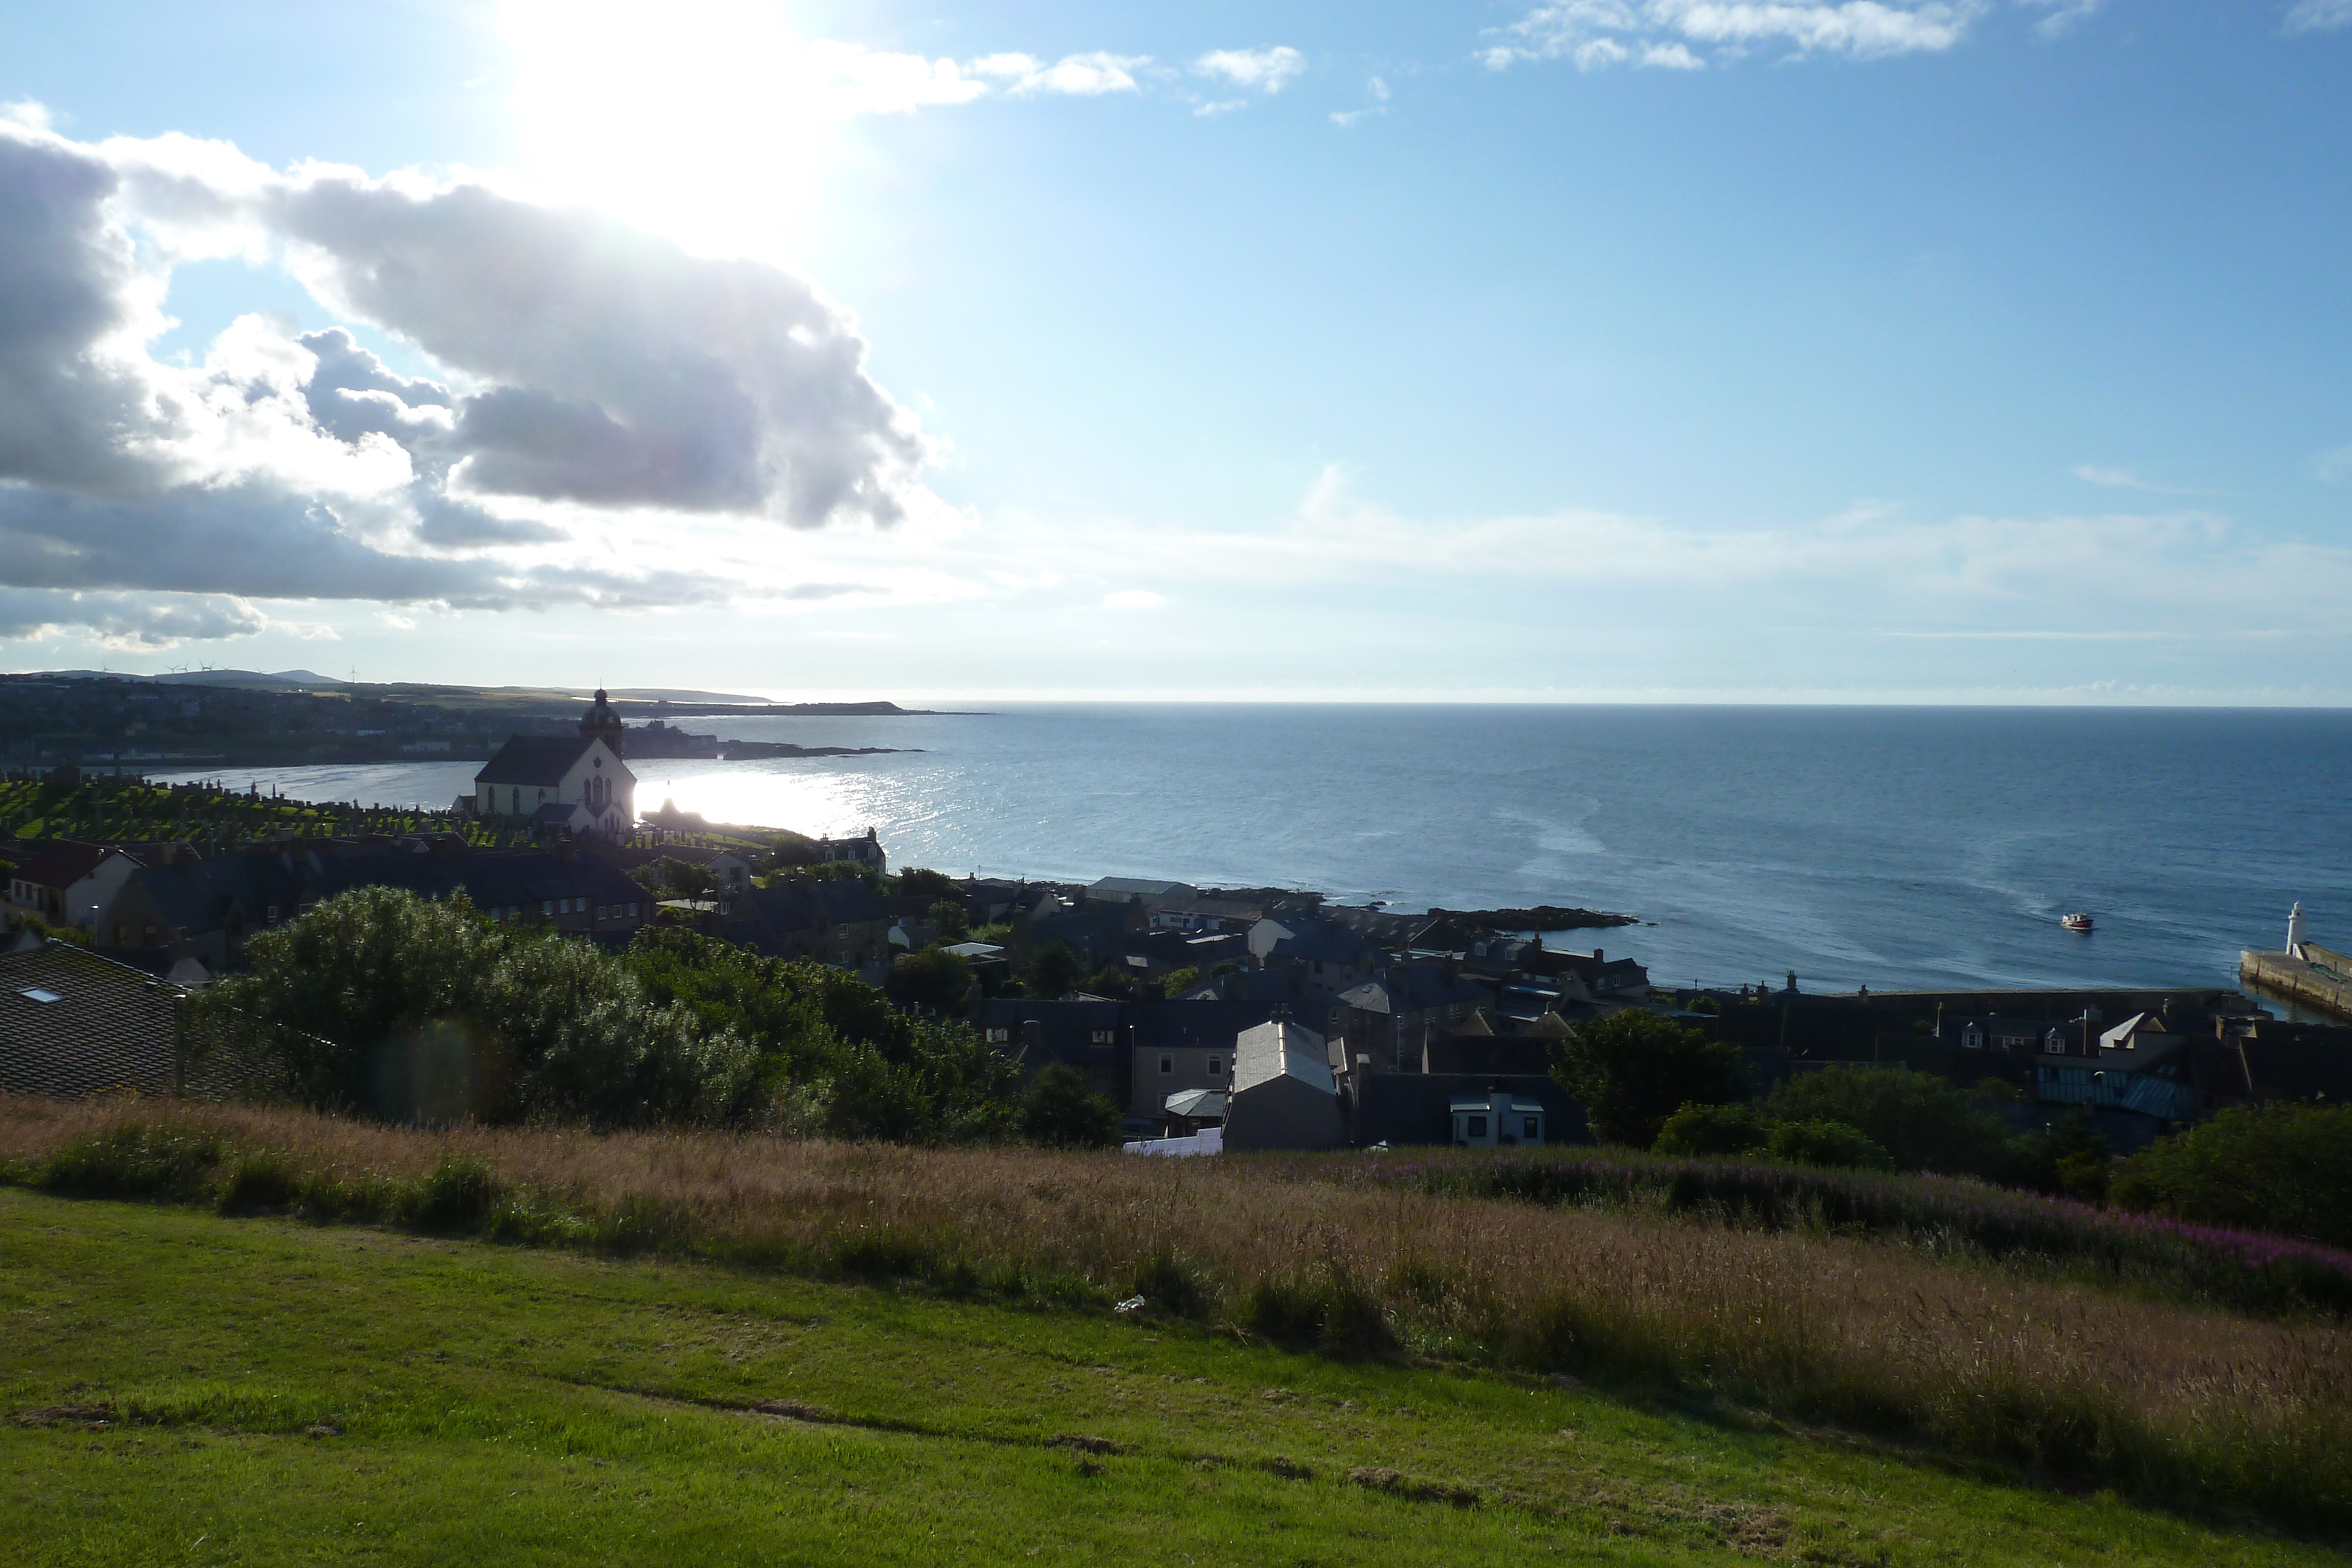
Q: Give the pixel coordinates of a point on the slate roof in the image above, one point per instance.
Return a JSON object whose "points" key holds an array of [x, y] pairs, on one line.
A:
{"points": [[1280, 1048], [534, 759], [110, 1026], [198, 896], [1182, 1024], [1122, 887], [60, 864], [1413, 988]]}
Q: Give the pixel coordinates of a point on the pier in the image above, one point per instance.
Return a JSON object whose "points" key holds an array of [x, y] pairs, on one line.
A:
{"points": [[2311, 975]]}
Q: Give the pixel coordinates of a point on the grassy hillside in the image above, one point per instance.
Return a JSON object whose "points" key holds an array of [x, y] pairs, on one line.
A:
{"points": [[188, 1389]]}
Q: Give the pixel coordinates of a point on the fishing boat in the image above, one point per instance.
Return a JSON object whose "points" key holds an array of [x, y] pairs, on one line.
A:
{"points": [[2078, 921]]}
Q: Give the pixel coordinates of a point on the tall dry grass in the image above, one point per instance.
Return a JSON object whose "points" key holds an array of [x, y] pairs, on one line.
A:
{"points": [[2164, 1400]]}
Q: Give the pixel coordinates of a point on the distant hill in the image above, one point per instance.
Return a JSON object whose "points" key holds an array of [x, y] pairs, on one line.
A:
{"points": [[310, 680]]}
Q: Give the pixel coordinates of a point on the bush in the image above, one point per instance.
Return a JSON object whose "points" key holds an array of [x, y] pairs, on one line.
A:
{"points": [[1826, 1144], [1633, 1069], [1062, 1111], [2282, 1168], [1697, 1129], [934, 978], [1053, 972], [1922, 1121], [916, 882]]}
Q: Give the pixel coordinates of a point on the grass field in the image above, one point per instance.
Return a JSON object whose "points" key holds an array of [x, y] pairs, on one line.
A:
{"points": [[183, 1387]]}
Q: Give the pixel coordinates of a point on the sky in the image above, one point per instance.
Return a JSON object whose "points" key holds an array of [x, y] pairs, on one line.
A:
{"points": [[1792, 350]]}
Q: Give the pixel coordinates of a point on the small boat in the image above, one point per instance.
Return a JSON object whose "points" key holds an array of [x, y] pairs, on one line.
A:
{"points": [[2078, 921]]}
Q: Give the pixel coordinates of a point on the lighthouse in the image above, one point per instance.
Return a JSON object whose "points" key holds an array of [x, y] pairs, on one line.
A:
{"points": [[2295, 931]]}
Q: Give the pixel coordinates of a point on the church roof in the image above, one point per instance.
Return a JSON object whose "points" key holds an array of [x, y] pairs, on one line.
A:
{"points": [[534, 759]]}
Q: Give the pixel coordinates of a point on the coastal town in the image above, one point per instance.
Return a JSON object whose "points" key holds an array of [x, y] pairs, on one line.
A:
{"points": [[1208, 1018]]}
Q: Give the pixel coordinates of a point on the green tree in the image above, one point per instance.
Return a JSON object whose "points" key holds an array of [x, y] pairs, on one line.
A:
{"points": [[1823, 1142], [948, 916], [917, 882], [1633, 1069], [934, 978], [1922, 1121], [1053, 971], [1062, 1111], [2282, 1168], [1698, 1129]]}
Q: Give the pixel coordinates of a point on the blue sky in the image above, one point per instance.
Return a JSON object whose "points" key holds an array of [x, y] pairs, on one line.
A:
{"points": [[1645, 349]]}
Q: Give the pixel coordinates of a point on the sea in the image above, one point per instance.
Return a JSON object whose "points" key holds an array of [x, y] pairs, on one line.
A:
{"points": [[1896, 848]]}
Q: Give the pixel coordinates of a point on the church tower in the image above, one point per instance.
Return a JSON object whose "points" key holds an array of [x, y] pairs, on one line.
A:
{"points": [[601, 723]]}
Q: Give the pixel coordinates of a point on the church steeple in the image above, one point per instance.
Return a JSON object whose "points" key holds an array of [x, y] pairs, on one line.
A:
{"points": [[601, 723]]}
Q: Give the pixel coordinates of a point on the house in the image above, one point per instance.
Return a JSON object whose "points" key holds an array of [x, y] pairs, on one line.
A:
{"points": [[1093, 1036], [74, 1024], [1391, 1018], [731, 871], [1282, 1096], [2016, 1035], [39, 884], [1413, 1108], [842, 922], [206, 910], [1120, 889], [575, 784], [1181, 1045], [1332, 957], [865, 851], [1499, 1119]]}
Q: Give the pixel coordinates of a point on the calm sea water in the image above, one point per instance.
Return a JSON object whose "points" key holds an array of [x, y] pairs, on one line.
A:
{"points": [[1894, 847]]}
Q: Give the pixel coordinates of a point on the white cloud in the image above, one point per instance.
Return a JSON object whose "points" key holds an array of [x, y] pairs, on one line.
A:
{"points": [[2120, 479], [1604, 31], [1078, 76], [2062, 16], [605, 391], [1268, 70], [1221, 106], [1377, 90], [1671, 57], [1133, 599], [2319, 17], [2332, 466]]}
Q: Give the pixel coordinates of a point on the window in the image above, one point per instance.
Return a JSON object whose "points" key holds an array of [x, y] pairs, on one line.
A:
{"points": [[1216, 1066], [1099, 1036], [1167, 1065], [39, 994], [603, 912], [999, 1036], [273, 914], [1477, 1127], [633, 912], [547, 906], [1532, 1129]]}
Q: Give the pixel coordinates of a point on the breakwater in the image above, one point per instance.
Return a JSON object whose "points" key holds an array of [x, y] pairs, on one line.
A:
{"points": [[2319, 979]]}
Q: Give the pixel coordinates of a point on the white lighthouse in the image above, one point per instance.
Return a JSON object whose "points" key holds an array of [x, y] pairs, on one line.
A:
{"points": [[2295, 931]]}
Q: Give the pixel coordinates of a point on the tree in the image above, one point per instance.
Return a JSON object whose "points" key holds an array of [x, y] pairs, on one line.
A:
{"points": [[1633, 1069], [1923, 1121], [1825, 1144], [1697, 1129], [934, 978], [917, 882], [948, 916], [1062, 1111], [2282, 1168], [1053, 971]]}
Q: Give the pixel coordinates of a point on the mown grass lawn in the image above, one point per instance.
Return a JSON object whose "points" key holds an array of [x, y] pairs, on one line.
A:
{"points": [[179, 1387]]}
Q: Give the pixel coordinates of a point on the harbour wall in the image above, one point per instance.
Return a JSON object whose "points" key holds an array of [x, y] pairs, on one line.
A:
{"points": [[2321, 979]]}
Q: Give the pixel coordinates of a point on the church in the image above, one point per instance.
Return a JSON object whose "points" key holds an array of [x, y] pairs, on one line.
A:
{"points": [[574, 782]]}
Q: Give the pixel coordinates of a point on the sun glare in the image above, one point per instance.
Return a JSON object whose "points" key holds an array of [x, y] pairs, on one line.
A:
{"points": [[709, 122]]}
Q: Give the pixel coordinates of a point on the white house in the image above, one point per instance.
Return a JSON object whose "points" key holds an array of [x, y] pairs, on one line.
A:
{"points": [[575, 782]]}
